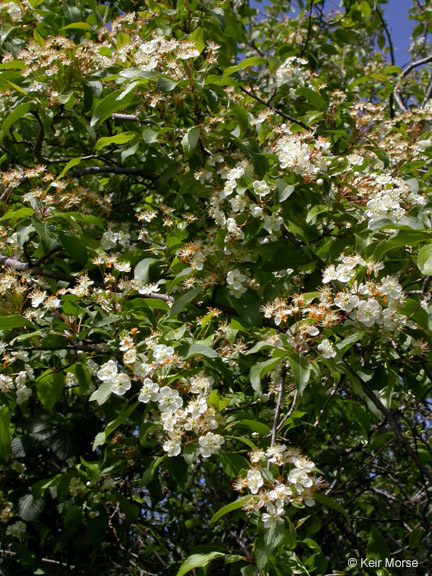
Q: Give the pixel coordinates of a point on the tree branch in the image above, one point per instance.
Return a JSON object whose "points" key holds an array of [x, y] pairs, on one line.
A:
{"points": [[407, 70], [109, 170], [38, 271], [392, 58], [276, 110], [397, 431]]}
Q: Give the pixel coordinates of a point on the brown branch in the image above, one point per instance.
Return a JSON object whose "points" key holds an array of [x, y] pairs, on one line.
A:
{"points": [[109, 170], [416, 64], [47, 560], [276, 110], [392, 58], [290, 411], [397, 431], [405, 72], [326, 403], [38, 271], [277, 411]]}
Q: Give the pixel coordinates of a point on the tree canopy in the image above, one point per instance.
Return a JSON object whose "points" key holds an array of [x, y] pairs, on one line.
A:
{"points": [[216, 263]]}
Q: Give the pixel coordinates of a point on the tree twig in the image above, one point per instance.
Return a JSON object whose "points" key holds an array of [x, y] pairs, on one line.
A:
{"points": [[397, 430], [276, 110], [109, 170]]}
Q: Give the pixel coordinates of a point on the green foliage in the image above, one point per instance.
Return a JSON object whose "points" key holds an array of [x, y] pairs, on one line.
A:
{"points": [[215, 317]]}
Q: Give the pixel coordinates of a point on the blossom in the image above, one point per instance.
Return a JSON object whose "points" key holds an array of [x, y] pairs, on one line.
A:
{"points": [[368, 312], [17, 529], [236, 281], [163, 354], [169, 399], [210, 444], [149, 391], [326, 349], [120, 384], [273, 515], [254, 480], [261, 188], [172, 446], [346, 301], [107, 371]]}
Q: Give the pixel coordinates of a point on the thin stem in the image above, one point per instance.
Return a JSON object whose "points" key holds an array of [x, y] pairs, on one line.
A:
{"points": [[276, 110]]}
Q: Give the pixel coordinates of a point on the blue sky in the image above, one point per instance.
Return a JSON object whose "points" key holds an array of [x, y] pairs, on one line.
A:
{"points": [[396, 15]]}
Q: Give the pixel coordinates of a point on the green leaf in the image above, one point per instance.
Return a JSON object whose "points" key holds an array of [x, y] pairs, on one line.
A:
{"points": [[117, 139], [267, 542], [424, 259], [77, 26], [18, 113], [182, 302], [259, 370], [142, 269], [301, 371], [109, 105], [165, 84], [149, 136], [198, 561], [314, 98], [75, 247], [197, 37], [330, 503], [247, 63], [102, 437], [14, 321], [377, 546], [255, 426], [71, 164], [50, 387], [30, 507], [102, 394], [83, 376], [190, 141], [201, 349], [5, 441], [229, 508], [148, 474]]}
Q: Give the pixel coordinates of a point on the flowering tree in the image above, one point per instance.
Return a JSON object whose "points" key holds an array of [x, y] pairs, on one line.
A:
{"points": [[215, 274]]}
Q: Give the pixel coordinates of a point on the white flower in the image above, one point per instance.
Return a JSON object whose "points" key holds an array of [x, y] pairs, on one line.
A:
{"points": [[23, 394], [235, 281], [273, 515], [346, 301], [122, 266], [326, 349], [391, 288], [6, 383], [275, 454], [254, 480], [149, 391], [173, 446], [107, 371], [17, 529], [197, 406], [272, 222], [163, 354], [368, 312], [210, 444], [169, 399], [201, 384], [120, 384], [300, 479], [261, 188]]}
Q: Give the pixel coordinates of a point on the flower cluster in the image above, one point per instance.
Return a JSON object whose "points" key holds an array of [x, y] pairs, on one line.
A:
{"points": [[293, 74], [349, 294], [274, 495]]}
